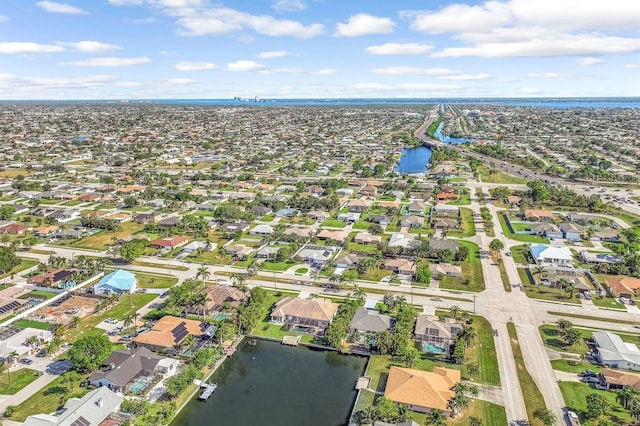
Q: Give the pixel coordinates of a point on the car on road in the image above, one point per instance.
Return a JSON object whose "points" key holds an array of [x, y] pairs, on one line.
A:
{"points": [[437, 299], [495, 332], [26, 361], [508, 253], [111, 321]]}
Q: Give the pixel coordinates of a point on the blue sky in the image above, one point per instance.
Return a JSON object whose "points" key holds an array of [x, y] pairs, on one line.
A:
{"points": [[128, 49]]}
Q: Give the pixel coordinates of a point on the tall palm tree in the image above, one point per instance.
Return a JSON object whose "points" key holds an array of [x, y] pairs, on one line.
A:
{"points": [[4, 367], [436, 418], [627, 396], [454, 312], [203, 272], [468, 334], [130, 319], [13, 356]]}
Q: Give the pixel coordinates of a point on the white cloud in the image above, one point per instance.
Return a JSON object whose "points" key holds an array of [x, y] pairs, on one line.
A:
{"points": [[109, 62], [282, 70], [14, 81], [551, 75], [90, 46], [632, 66], [589, 61], [3, 19], [245, 66], [410, 49], [126, 2], [552, 45], [289, 5], [363, 24], [273, 54], [441, 73], [11, 47], [178, 81], [195, 18], [325, 71], [460, 18], [139, 21], [65, 8], [194, 66]]}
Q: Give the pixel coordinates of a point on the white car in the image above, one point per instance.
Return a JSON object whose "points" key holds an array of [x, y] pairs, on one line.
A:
{"points": [[111, 321]]}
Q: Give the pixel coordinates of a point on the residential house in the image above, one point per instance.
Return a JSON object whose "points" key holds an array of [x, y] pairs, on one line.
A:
{"points": [[369, 322], [366, 238], [267, 252], [92, 409], [46, 231], [368, 191], [446, 196], [440, 269], [312, 316], [262, 210], [318, 215], [148, 217], [416, 207], [412, 221], [169, 332], [400, 266], [117, 282], [612, 351], [607, 234], [572, 278], [551, 255], [262, 230], [438, 244], [219, 299], [15, 229], [194, 246], [347, 261], [288, 212], [422, 391], [239, 251], [570, 231], [436, 335], [401, 240], [73, 233], [619, 379], [513, 200], [358, 205], [446, 210], [124, 367], [588, 257], [298, 232], [234, 227], [380, 219], [65, 215], [549, 230], [169, 221], [349, 217], [339, 236], [11, 305], [316, 255], [533, 215], [55, 278], [169, 243], [623, 286]]}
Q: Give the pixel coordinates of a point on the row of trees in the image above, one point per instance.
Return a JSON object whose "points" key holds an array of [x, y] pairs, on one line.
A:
{"points": [[339, 327]]}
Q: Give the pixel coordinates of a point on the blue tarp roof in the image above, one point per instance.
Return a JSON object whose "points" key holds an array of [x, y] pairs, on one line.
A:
{"points": [[536, 249], [120, 279]]}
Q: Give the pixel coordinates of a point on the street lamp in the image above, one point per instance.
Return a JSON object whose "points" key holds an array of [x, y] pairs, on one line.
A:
{"points": [[474, 304]]}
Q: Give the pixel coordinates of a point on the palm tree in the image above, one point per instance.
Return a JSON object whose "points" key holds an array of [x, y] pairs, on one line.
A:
{"points": [[75, 322], [58, 330], [436, 418], [4, 367], [189, 341], [203, 272], [545, 416], [12, 356], [454, 312], [627, 396], [475, 421], [359, 293], [130, 319], [33, 341], [468, 334]]}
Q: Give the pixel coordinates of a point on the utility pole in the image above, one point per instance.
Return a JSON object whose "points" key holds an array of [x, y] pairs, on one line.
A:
{"points": [[474, 304]]}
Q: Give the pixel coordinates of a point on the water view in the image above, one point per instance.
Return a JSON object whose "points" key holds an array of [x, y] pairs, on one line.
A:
{"points": [[414, 160], [272, 384]]}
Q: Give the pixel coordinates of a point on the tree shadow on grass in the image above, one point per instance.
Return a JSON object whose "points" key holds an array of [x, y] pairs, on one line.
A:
{"points": [[382, 383], [54, 390]]}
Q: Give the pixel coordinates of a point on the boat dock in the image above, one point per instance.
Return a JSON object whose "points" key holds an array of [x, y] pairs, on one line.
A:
{"points": [[291, 340], [208, 390]]}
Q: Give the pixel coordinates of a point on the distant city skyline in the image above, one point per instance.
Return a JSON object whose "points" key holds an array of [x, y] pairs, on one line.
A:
{"points": [[201, 49]]}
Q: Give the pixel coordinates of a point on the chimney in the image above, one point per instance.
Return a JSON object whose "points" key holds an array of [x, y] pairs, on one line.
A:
{"points": [[99, 402]]}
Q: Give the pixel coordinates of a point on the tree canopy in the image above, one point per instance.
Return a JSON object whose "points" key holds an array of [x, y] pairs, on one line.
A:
{"points": [[90, 352]]}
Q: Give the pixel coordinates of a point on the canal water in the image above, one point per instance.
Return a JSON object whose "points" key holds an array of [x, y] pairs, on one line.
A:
{"points": [[273, 384], [415, 160]]}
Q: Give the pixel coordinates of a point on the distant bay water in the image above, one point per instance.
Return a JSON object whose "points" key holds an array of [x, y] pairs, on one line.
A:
{"points": [[531, 102]]}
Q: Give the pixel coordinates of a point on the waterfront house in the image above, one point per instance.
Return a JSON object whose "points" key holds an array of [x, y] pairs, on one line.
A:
{"points": [[311, 316], [92, 409], [422, 391], [55, 278], [124, 368], [369, 322], [218, 299], [171, 331]]}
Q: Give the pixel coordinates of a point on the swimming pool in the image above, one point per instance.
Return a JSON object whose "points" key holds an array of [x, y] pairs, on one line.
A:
{"points": [[428, 347]]}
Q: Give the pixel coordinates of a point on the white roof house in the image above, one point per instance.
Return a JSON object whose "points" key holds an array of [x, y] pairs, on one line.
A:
{"points": [[17, 342], [262, 230], [401, 240], [614, 352], [551, 255]]}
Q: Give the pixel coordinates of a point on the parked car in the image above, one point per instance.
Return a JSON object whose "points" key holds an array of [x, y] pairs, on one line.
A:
{"points": [[587, 373], [437, 299], [26, 361], [111, 321], [591, 379], [508, 253], [142, 330]]}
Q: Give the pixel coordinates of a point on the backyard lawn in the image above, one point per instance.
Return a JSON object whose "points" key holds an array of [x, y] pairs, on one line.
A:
{"points": [[607, 302], [278, 266], [520, 254], [103, 239], [333, 223], [525, 238], [25, 323], [472, 278], [24, 264], [571, 366], [543, 292], [47, 400], [19, 379], [575, 397], [40, 294]]}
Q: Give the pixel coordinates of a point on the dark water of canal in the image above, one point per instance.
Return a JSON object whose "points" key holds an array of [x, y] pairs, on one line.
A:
{"points": [[271, 384], [414, 160]]}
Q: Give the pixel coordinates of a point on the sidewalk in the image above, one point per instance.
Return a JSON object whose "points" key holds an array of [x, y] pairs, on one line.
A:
{"points": [[27, 391]]}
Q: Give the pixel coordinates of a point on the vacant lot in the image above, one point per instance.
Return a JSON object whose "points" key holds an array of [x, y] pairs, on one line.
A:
{"points": [[74, 306], [103, 239]]}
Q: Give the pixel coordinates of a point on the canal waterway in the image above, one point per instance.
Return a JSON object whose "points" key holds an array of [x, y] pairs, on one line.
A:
{"points": [[272, 384]]}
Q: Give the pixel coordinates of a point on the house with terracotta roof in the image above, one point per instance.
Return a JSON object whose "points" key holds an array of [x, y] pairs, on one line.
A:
{"points": [[170, 332], [366, 238], [312, 316], [400, 266], [218, 299], [541, 215], [56, 278], [623, 286], [46, 231], [422, 391], [15, 229], [169, 242], [446, 196], [618, 379]]}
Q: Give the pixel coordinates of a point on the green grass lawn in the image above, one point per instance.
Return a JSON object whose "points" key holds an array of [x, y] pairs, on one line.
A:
{"points": [[575, 394], [362, 248], [533, 398], [302, 270], [32, 324], [24, 264], [41, 294], [278, 266], [375, 275], [333, 223], [483, 353], [570, 366], [491, 414], [103, 239], [525, 238], [468, 228], [155, 281], [519, 254], [472, 278], [159, 266], [590, 317], [499, 177], [71, 203], [462, 200], [551, 338], [607, 302], [47, 400], [19, 379], [543, 292]]}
